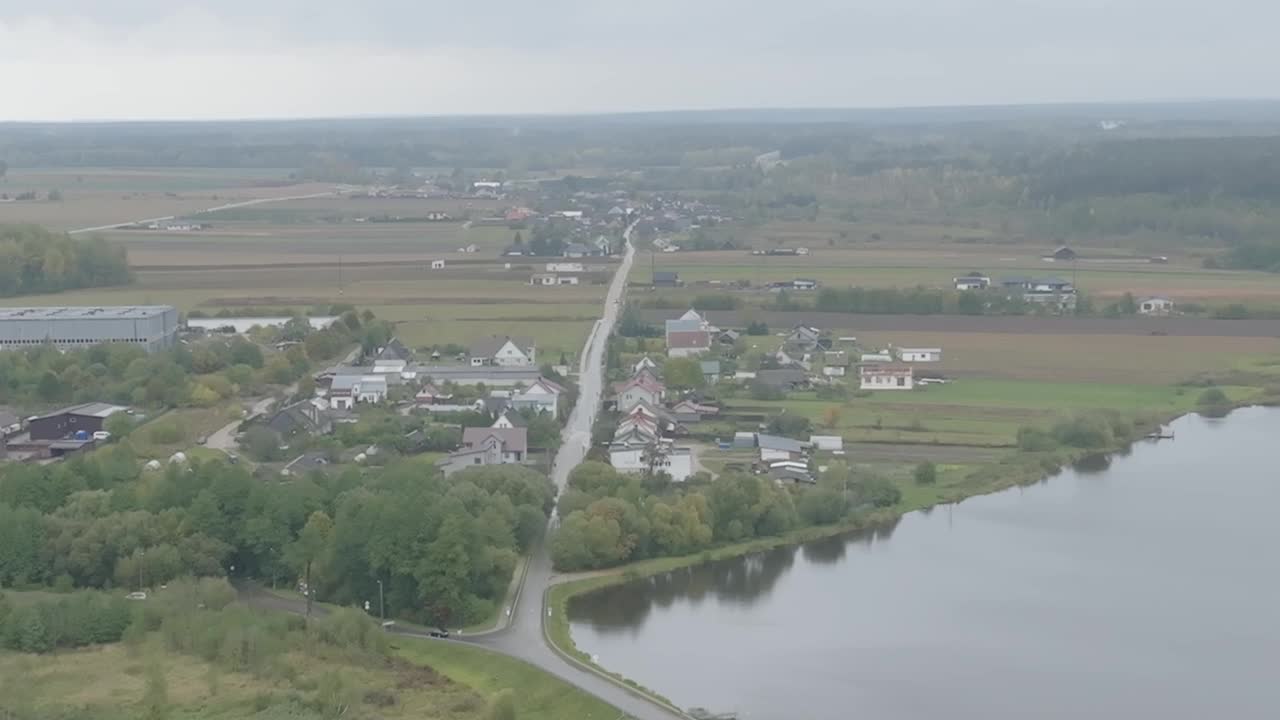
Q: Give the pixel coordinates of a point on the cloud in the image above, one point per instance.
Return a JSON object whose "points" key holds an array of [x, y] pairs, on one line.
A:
{"points": [[65, 59]]}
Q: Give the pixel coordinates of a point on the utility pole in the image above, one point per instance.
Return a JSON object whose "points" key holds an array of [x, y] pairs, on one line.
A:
{"points": [[382, 604], [339, 276], [142, 561]]}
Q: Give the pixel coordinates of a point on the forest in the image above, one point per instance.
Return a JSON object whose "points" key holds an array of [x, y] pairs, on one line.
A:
{"points": [[611, 518], [35, 260], [443, 551]]}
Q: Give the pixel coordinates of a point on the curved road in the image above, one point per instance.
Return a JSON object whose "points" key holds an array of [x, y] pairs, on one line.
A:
{"points": [[523, 636]]}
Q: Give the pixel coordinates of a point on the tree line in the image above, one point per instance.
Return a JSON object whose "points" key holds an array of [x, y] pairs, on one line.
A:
{"points": [[611, 518], [35, 260], [443, 551]]}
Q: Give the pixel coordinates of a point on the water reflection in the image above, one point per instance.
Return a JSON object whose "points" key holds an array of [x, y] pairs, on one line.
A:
{"points": [[1066, 599]]}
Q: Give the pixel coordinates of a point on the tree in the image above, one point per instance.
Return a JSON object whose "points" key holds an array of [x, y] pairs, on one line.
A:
{"points": [[926, 473], [831, 417], [683, 374], [757, 327], [518, 240], [155, 698], [310, 548]]}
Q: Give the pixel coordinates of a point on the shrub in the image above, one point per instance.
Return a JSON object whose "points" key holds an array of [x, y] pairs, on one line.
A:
{"points": [[1086, 432], [926, 473], [1033, 439], [1213, 397]]}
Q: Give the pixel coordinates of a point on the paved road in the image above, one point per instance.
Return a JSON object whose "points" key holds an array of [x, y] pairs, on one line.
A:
{"points": [[228, 206], [523, 637]]}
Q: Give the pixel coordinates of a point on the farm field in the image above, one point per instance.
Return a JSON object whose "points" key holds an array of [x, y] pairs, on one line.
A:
{"points": [[302, 254], [1182, 279]]}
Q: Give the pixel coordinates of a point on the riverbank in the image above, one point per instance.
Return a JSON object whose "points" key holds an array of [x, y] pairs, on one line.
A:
{"points": [[1019, 469]]}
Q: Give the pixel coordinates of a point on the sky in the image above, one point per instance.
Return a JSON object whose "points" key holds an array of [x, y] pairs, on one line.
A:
{"points": [[213, 59]]}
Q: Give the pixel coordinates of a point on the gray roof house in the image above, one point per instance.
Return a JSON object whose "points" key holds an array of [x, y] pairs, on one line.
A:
{"points": [[786, 379], [300, 418]]}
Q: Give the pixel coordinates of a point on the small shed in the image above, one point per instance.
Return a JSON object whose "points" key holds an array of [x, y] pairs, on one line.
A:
{"points": [[1155, 306], [437, 264]]}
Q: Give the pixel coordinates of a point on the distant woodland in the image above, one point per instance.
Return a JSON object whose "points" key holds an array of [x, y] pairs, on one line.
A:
{"points": [[1199, 175], [34, 260]]}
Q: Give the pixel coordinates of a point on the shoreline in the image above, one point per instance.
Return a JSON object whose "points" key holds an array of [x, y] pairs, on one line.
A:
{"points": [[563, 589]]}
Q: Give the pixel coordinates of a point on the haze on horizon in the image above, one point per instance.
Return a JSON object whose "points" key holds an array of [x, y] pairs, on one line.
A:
{"points": [[216, 59]]}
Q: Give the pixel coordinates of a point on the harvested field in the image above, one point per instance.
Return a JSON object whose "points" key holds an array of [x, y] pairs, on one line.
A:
{"points": [[1020, 325]]}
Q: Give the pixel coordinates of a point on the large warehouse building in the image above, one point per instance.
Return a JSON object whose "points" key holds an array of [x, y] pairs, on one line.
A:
{"points": [[151, 327]]}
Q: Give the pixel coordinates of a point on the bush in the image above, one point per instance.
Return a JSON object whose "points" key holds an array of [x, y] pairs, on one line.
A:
{"points": [[1213, 397], [926, 473], [762, 391], [1085, 432]]}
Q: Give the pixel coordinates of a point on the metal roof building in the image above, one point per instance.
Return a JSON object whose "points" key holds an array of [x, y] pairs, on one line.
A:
{"points": [[151, 327]]}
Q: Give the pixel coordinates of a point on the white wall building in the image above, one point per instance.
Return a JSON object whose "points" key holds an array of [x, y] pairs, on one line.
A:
{"points": [[920, 354], [885, 377]]}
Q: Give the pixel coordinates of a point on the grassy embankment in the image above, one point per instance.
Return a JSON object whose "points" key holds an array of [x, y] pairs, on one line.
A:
{"points": [[420, 679]]}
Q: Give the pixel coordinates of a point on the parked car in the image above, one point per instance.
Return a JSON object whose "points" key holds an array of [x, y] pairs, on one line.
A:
{"points": [[438, 633]]}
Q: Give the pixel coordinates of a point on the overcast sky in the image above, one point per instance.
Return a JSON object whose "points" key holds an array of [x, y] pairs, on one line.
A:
{"points": [[98, 59]]}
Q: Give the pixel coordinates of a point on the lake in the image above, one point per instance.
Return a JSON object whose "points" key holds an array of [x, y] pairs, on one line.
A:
{"points": [[1145, 585]]}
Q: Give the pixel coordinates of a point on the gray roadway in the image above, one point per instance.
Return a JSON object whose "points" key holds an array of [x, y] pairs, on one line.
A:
{"points": [[523, 637]]}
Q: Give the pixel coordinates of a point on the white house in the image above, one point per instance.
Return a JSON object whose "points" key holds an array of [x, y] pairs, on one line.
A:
{"points": [[876, 357], [564, 267], [920, 354], [347, 390], [644, 363], [503, 351], [885, 377], [775, 447], [388, 366], [633, 458], [542, 396], [972, 282], [437, 264], [1155, 306], [827, 442], [834, 370], [640, 389]]}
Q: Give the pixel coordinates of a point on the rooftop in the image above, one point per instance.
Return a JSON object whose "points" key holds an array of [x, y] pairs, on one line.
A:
{"points": [[121, 312], [93, 409], [513, 439]]}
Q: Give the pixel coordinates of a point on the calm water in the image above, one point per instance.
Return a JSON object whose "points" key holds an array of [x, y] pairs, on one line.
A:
{"points": [[1146, 587]]}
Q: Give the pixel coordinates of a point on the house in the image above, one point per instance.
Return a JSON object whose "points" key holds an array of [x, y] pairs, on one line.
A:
{"points": [[660, 456], [85, 418], [784, 380], [394, 350], [689, 411], [514, 441], [885, 377], [602, 245], [789, 475], [437, 264], [552, 279], [1062, 254], [503, 351], [803, 338], [776, 447], [710, 371], [1155, 306], [644, 363], [543, 396], [744, 440], [728, 337], [875, 357], [688, 343], [430, 395], [972, 281], [301, 419], [834, 370], [827, 442], [576, 250], [804, 284], [640, 389], [666, 278], [508, 420], [920, 354], [305, 463], [347, 390], [564, 267]]}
